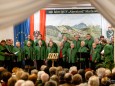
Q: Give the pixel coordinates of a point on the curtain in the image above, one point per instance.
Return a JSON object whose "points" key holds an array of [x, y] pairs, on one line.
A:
{"points": [[21, 32], [106, 8], [15, 11]]}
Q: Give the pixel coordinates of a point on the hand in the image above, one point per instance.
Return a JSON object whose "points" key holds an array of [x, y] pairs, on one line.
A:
{"points": [[24, 58], [6, 54], [95, 61]]}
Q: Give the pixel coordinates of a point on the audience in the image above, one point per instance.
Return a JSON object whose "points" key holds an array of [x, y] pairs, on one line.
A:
{"points": [[58, 76], [93, 81]]}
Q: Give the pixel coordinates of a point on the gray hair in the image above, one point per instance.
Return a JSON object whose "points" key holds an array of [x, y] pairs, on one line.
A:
{"points": [[34, 71], [100, 72], [44, 77], [28, 83], [93, 81], [19, 82], [39, 74]]}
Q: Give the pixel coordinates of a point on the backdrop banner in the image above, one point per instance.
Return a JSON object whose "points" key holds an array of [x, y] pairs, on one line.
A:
{"points": [[69, 22]]}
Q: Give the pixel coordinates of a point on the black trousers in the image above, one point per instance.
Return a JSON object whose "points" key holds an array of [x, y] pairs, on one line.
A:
{"points": [[8, 65], [1, 63], [39, 63], [29, 62], [81, 65], [19, 64], [60, 62], [49, 63]]}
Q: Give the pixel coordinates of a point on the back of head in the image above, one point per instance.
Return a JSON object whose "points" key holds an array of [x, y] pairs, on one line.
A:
{"points": [[59, 68], [107, 72], [83, 84], [113, 70], [73, 70], [15, 69], [61, 75], [100, 72], [50, 83], [52, 71], [82, 73], [43, 67], [66, 70], [54, 78], [19, 82], [19, 74], [33, 78], [68, 77], [2, 69], [39, 74], [88, 74], [77, 79], [44, 77], [28, 83], [6, 76], [93, 81], [34, 71], [12, 81], [24, 76], [105, 81]]}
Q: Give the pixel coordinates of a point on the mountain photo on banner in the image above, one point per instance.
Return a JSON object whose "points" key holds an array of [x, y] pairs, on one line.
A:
{"points": [[58, 25]]}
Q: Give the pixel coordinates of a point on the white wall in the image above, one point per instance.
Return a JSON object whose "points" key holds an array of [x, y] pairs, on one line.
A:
{"points": [[7, 33]]}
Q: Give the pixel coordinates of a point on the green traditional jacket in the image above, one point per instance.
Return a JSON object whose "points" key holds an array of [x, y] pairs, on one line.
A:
{"points": [[71, 53], [54, 45], [2, 53], [95, 55], [40, 53], [19, 53], [83, 50], [10, 50], [32, 43], [77, 44], [88, 43], [99, 47], [43, 43], [108, 56], [29, 52], [50, 50], [66, 45], [64, 52], [112, 45]]}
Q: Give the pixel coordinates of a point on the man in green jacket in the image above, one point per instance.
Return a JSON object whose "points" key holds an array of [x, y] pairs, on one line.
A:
{"points": [[29, 39], [19, 55], [88, 42], [82, 50], [9, 58], [40, 54], [77, 42], [50, 49], [3, 53], [66, 46], [95, 54], [107, 52], [54, 44], [40, 38], [72, 55], [29, 54], [112, 43]]}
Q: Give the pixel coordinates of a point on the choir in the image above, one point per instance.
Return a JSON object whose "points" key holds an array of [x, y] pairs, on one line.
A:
{"points": [[35, 53]]}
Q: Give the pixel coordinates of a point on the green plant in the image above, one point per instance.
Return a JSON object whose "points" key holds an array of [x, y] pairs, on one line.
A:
{"points": [[109, 64]]}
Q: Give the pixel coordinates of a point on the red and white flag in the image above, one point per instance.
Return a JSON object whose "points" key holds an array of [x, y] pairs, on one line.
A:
{"points": [[38, 23]]}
